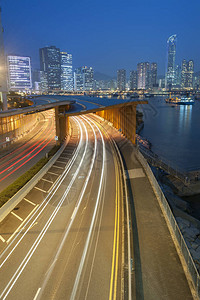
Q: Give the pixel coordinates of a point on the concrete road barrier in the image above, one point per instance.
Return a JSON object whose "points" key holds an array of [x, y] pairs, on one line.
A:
{"points": [[188, 262], [10, 204]]}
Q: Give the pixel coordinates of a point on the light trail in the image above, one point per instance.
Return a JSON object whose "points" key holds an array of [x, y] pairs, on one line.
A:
{"points": [[46, 201], [16, 150], [42, 141], [47, 276], [75, 287], [127, 210], [27, 149], [28, 256]]}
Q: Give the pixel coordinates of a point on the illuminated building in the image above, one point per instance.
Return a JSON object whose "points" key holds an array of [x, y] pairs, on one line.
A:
{"points": [[133, 80], [78, 80], [43, 81], [50, 64], [143, 71], [19, 72], [121, 80], [153, 75], [66, 71], [187, 72], [83, 79], [170, 76], [88, 78], [3, 75]]}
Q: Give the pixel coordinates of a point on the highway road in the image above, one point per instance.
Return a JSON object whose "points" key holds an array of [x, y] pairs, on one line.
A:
{"points": [[28, 150], [67, 238]]}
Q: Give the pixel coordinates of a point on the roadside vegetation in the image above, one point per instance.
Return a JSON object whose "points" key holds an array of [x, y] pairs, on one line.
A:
{"points": [[13, 188]]}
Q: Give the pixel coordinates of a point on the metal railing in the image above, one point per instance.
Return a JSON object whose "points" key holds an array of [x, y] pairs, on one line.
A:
{"points": [[173, 226], [155, 160]]}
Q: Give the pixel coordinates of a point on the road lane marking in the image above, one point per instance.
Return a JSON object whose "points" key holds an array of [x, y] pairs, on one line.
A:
{"points": [[18, 217], [114, 242], [61, 162], [33, 248], [18, 228], [48, 274], [29, 201], [79, 272], [128, 227], [47, 180], [74, 212], [37, 188], [117, 255], [57, 167], [53, 173], [45, 201], [36, 295], [2, 239]]}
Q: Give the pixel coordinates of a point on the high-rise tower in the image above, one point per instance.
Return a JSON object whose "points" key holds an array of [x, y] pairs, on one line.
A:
{"points": [[187, 73], [121, 80], [133, 80], [50, 64], [3, 73], [143, 71], [170, 76], [66, 71], [153, 75], [19, 73]]}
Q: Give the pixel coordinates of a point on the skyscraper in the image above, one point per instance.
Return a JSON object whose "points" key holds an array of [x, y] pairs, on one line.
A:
{"points": [[43, 82], [153, 75], [187, 73], [121, 80], [78, 79], [88, 78], [3, 73], [143, 71], [50, 64], [19, 72], [83, 79], [171, 55], [190, 73], [133, 80], [66, 71]]}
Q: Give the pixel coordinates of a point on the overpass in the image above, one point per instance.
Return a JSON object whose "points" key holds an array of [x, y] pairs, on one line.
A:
{"points": [[121, 113]]}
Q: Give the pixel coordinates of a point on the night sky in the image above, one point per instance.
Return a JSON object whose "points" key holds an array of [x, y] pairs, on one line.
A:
{"points": [[106, 34]]}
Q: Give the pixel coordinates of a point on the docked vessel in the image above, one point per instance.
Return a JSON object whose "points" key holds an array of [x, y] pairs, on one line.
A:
{"points": [[184, 100]]}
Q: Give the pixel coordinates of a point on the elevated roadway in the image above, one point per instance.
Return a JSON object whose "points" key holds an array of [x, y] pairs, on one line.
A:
{"points": [[27, 151], [66, 239]]}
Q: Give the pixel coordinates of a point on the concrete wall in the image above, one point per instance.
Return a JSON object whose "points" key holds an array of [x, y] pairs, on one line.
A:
{"points": [[123, 119], [14, 127]]}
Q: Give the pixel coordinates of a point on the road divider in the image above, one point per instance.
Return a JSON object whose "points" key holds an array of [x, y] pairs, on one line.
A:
{"points": [[10, 204]]}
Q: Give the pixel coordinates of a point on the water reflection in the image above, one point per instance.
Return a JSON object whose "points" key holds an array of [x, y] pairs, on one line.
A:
{"points": [[185, 115]]}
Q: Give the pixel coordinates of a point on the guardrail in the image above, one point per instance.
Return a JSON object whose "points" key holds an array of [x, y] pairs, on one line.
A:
{"points": [[10, 204], [173, 226], [157, 161]]}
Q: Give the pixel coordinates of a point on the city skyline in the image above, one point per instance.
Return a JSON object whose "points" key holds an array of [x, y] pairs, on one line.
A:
{"points": [[101, 48]]}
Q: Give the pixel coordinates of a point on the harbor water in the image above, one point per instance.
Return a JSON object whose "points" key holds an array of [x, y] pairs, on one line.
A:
{"points": [[174, 132]]}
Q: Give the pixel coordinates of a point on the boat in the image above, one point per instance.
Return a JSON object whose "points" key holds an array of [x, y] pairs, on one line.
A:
{"points": [[148, 95], [184, 100]]}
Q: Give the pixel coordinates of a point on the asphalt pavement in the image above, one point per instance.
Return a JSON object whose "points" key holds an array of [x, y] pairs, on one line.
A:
{"points": [[65, 239]]}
